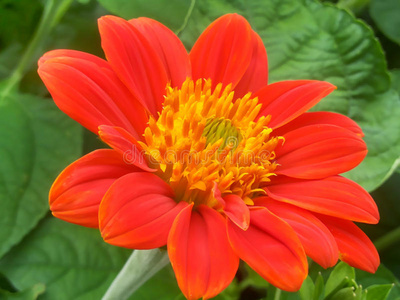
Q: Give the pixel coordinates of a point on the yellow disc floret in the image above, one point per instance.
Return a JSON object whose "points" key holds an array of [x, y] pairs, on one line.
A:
{"points": [[204, 138]]}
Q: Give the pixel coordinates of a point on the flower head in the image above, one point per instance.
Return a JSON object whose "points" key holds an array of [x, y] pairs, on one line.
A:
{"points": [[207, 158]]}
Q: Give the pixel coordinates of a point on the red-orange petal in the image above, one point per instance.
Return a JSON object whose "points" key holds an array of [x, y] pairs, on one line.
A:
{"points": [[319, 118], [76, 194], [237, 211], [317, 240], [335, 196], [135, 61], [286, 100], [355, 247], [200, 253], [223, 51], [169, 49], [270, 247], [138, 211], [318, 151], [124, 143], [256, 75], [99, 98]]}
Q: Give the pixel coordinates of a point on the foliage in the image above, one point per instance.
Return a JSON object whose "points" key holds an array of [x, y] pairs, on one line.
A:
{"points": [[336, 41]]}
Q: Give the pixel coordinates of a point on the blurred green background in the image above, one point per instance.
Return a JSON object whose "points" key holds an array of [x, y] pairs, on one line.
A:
{"points": [[355, 44]]}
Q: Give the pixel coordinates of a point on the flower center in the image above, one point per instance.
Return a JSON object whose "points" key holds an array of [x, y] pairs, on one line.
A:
{"points": [[204, 139], [217, 129]]}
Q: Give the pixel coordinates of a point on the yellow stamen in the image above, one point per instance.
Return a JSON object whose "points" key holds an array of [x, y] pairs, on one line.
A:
{"points": [[204, 137]]}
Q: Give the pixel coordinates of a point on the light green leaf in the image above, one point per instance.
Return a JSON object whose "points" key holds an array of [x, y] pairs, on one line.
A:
{"points": [[36, 142], [28, 294], [72, 261], [341, 275], [385, 14], [307, 289], [379, 292], [171, 13], [319, 288], [347, 293], [383, 276], [306, 39]]}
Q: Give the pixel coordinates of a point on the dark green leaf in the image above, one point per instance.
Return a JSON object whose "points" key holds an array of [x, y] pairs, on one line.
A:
{"points": [[77, 30], [252, 278], [36, 142], [172, 13], [17, 20], [395, 75], [161, 286], [31, 293], [356, 6], [310, 40], [9, 57], [386, 13], [72, 261]]}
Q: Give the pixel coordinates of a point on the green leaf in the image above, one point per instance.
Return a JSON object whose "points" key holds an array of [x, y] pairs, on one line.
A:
{"points": [[379, 292], [9, 57], [306, 39], [140, 267], [18, 20], [383, 276], [72, 261], [347, 293], [252, 278], [395, 75], [356, 6], [232, 292], [307, 289], [386, 16], [319, 288], [340, 277], [161, 286], [36, 142], [31, 293], [171, 13]]}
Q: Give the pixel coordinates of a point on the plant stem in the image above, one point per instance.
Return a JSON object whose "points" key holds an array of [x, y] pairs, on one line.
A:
{"points": [[273, 293], [277, 294], [52, 13], [188, 14], [388, 239], [139, 268]]}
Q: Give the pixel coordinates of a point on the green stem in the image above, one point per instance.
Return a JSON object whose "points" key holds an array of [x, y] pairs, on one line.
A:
{"points": [[139, 268], [277, 294], [388, 239], [188, 14], [273, 293], [53, 11]]}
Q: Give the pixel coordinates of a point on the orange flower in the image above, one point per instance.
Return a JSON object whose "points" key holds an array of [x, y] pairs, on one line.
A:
{"points": [[207, 158]]}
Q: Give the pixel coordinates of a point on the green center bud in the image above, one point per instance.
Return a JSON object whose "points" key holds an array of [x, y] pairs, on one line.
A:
{"points": [[216, 129]]}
